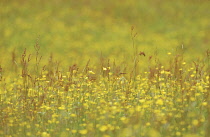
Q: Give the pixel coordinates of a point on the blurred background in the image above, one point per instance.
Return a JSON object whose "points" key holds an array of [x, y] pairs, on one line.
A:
{"points": [[76, 31]]}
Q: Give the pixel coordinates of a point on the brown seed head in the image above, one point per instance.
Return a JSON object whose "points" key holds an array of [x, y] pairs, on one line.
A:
{"points": [[142, 53]]}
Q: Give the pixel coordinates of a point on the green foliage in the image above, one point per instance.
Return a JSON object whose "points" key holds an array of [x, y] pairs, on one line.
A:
{"points": [[104, 68]]}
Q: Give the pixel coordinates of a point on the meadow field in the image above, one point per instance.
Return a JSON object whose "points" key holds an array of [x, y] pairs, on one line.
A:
{"points": [[112, 68]]}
